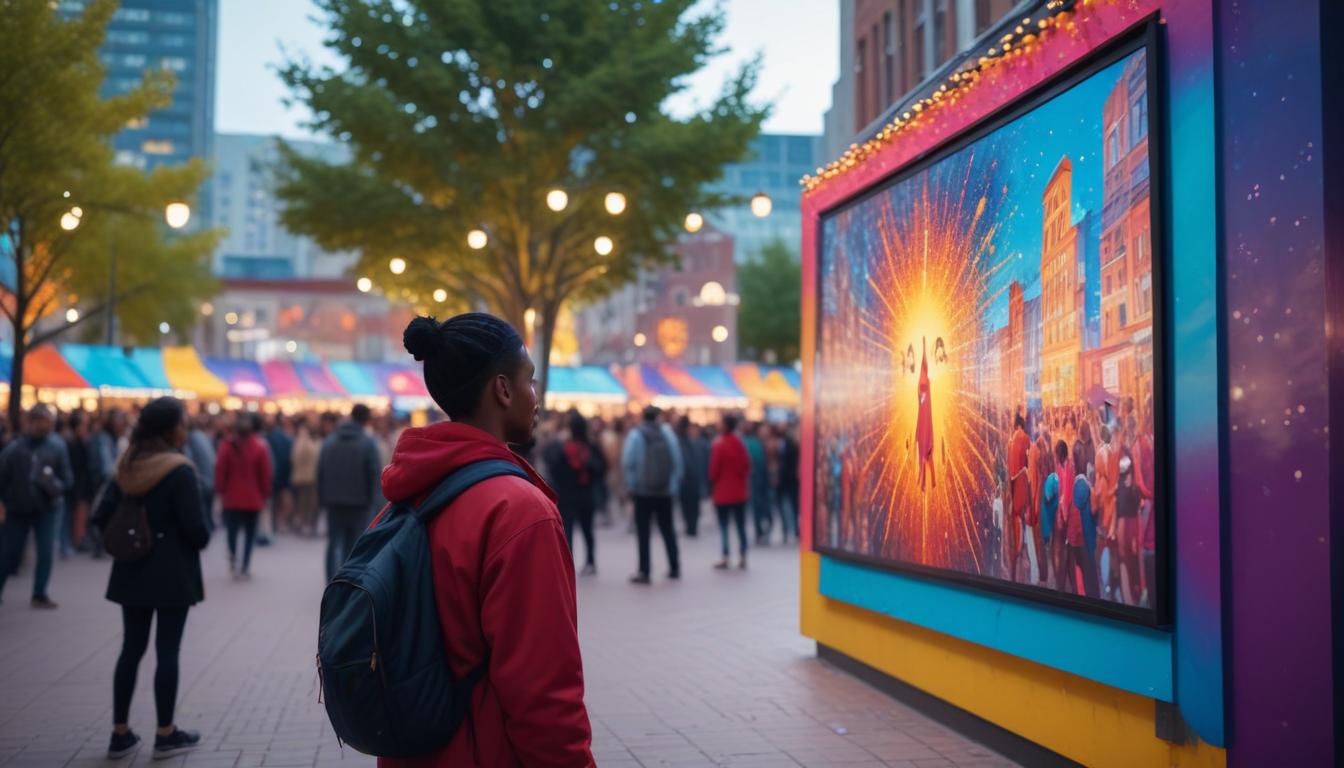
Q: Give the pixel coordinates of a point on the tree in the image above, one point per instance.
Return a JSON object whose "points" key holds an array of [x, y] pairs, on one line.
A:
{"points": [[463, 114], [56, 156], [770, 316]]}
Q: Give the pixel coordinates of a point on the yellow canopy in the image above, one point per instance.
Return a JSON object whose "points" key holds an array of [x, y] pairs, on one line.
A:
{"points": [[186, 372]]}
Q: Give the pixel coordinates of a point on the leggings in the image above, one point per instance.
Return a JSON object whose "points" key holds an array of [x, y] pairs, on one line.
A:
{"points": [[584, 515], [135, 639], [235, 520], [739, 514]]}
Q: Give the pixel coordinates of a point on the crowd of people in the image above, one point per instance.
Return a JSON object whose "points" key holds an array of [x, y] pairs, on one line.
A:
{"points": [[1075, 504], [638, 471]]}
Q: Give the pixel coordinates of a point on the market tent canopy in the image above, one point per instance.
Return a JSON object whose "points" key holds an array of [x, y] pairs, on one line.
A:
{"points": [[766, 384], [149, 361], [399, 380], [318, 380], [243, 376], [44, 368], [187, 373], [106, 368], [716, 381], [644, 383], [282, 380], [584, 383], [356, 379]]}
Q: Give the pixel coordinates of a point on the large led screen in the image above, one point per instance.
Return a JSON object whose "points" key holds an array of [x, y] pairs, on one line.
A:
{"points": [[985, 379]]}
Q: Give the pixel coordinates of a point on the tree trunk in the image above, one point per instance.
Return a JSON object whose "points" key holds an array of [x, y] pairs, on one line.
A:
{"points": [[16, 381], [550, 311]]}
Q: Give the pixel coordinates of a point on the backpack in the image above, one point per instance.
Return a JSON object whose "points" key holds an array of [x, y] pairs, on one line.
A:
{"points": [[128, 537], [390, 692], [655, 473]]}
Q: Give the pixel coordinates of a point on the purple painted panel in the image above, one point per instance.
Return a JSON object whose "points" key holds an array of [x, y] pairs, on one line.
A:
{"points": [[1278, 450]]}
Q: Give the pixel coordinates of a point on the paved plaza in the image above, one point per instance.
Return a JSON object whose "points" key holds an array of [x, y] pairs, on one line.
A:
{"points": [[708, 671]]}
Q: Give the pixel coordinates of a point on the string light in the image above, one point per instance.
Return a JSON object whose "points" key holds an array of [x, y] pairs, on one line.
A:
{"points": [[1022, 38]]}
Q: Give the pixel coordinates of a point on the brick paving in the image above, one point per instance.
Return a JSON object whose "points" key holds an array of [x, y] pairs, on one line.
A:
{"points": [[708, 671]]}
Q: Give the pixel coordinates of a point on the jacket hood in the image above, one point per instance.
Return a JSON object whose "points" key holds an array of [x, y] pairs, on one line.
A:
{"points": [[138, 477], [425, 455], [349, 430]]}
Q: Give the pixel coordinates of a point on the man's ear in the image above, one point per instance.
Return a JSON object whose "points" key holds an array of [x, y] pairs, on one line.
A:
{"points": [[502, 390]]}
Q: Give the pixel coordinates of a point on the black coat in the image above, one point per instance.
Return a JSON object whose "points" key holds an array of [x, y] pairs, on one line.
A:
{"points": [[170, 575]]}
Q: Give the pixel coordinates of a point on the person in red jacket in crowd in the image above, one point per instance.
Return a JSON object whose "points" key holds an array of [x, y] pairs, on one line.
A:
{"points": [[502, 569], [243, 484], [729, 475]]}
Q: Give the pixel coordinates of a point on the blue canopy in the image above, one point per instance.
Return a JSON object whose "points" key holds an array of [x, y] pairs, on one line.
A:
{"points": [[716, 380], [106, 367], [585, 382], [149, 361], [357, 379]]}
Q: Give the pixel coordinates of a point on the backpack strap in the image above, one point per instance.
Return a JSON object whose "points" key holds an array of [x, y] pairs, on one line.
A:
{"points": [[460, 480]]}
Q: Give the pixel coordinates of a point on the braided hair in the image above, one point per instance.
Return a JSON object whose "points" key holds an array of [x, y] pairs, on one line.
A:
{"points": [[156, 423], [462, 354]]}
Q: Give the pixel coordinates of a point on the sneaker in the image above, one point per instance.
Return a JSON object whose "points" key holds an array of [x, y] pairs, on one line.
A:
{"points": [[122, 745], [176, 743], [722, 565], [641, 578], [674, 575], [742, 564], [43, 603], [589, 570]]}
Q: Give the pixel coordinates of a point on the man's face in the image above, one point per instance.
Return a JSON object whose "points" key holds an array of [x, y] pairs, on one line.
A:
{"points": [[39, 426], [521, 415]]}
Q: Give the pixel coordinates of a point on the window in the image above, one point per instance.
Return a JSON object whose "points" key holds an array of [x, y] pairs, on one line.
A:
{"points": [[130, 60], [920, 65], [173, 63], [888, 60], [800, 151], [679, 297], [981, 16], [940, 52], [1138, 118], [1124, 315], [1138, 176], [1145, 294], [861, 79], [1112, 146], [157, 147], [174, 41], [131, 14], [175, 19], [1141, 255], [136, 123], [126, 37]]}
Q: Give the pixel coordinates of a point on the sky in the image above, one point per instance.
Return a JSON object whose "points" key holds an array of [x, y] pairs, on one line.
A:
{"points": [[798, 39]]}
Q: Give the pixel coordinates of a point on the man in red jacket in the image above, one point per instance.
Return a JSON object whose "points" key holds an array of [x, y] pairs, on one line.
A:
{"points": [[503, 574], [243, 483], [729, 473]]}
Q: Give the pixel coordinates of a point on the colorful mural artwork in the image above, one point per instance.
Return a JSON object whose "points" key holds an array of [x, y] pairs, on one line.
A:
{"points": [[986, 360]]}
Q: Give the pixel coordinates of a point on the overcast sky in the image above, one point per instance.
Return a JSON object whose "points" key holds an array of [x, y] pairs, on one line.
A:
{"points": [[799, 40]]}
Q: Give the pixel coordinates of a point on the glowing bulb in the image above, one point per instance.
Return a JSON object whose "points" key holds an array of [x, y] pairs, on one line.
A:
{"points": [[164, 328], [291, 347], [440, 295], [713, 294], [640, 339], [69, 221], [207, 309], [720, 333], [603, 245], [761, 205], [476, 239], [694, 222], [177, 214], [364, 285], [557, 199], [397, 265], [72, 315], [615, 203], [231, 318]]}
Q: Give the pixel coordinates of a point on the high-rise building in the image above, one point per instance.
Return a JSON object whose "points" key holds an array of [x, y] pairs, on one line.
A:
{"points": [[888, 48], [775, 165], [256, 244], [176, 35], [1061, 295]]}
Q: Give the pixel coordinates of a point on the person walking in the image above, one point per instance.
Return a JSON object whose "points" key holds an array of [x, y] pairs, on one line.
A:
{"points": [[282, 458], [760, 484], [729, 477], [653, 468], [201, 450], [243, 481], [34, 475], [166, 581], [1022, 521], [347, 484], [306, 448], [573, 465], [79, 496], [503, 575], [786, 482], [692, 483]]}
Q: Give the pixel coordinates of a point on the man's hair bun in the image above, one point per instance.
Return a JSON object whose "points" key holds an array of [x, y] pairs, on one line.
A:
{"points": [[422, 338]]}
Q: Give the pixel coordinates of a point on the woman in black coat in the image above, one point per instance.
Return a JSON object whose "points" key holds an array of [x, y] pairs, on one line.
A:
{"points": [[166, 581]]}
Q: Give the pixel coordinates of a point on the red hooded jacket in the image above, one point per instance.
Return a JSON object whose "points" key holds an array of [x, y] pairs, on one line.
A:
{"points": [[243, 474], [729, 470], [503, 581]]}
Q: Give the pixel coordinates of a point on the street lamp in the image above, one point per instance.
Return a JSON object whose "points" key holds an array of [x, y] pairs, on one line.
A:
{"points": [[477, 239], [694, 222], [70, 219], [712, 294], [291, 346], [615, 203], [177, 214], [641, 339], [207, 309], [364, 285], [720, 333], [397, 265], [761, 205], [557, 199], [72, 315], [440, 295], [231, 318], [164, 328], [603, 245]]}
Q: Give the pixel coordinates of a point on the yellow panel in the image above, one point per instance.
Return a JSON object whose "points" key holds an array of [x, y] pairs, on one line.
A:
{"points": [[185, 371], [1083, 720]]}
